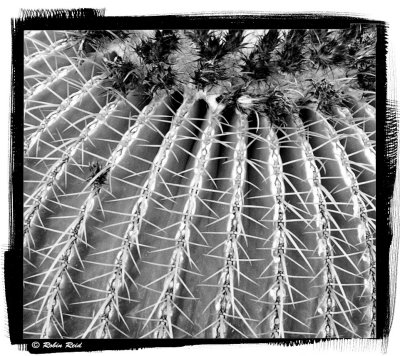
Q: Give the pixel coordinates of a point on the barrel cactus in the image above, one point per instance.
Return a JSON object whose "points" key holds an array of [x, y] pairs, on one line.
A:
{"points": [[200, 184]]}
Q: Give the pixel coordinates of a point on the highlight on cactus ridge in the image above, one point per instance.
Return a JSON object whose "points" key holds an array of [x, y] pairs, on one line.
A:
{"points": [[200, 184]]}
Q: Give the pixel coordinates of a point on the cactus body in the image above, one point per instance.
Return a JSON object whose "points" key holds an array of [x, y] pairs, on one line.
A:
{"points": [[225, 196]]}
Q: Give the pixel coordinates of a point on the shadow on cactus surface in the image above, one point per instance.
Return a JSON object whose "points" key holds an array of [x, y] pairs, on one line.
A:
{"points": [[200, 184]]}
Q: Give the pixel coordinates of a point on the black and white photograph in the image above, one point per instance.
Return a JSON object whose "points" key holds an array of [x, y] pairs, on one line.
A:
{"points": [[200, 179]]}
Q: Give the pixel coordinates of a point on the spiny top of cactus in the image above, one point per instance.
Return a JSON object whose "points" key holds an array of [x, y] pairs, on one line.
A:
{"points": [[217, 59], [199, 183]]}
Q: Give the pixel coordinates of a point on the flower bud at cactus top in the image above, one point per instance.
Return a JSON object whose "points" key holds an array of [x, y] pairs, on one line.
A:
{"points": [[200, 184]]}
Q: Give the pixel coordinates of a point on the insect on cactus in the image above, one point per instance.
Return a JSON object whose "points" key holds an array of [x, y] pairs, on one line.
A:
{"points": [[200, 184]]}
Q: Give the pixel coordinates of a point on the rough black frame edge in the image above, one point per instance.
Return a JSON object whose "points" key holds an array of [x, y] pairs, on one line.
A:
{"points": [[89, 19]]}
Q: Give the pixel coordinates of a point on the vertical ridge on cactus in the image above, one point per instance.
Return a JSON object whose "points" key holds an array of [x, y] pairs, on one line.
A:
{"points": [[200, 184]]}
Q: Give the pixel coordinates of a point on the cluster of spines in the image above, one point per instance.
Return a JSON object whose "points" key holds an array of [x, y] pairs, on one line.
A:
{"points": [[225, 301], [324, 245], [361, 201], [119, 275], [282, 284], [42, 85], [62, 108], [163, 308], [283, 239], [181, 251], [346, 308], [344, 129], [49, 181], [42, 67], [43, 49], [76, 233]]}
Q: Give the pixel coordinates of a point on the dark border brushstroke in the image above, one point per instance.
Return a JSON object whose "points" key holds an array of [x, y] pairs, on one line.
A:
{"points": [[60, 14], [91, 19], [386, 172], [387, 134], [381, 207]]}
